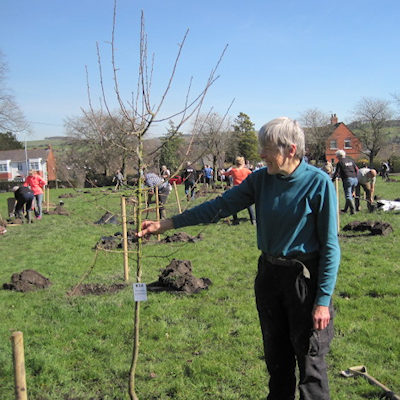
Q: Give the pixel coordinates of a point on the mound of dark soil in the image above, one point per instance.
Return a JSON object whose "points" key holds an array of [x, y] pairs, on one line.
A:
{"points": [[178, 277], [59, 210], [66, 196], [108, 243], [27, 281], [96, 288], [182, 237], [115, 242], [374, 227], [107, 218]]}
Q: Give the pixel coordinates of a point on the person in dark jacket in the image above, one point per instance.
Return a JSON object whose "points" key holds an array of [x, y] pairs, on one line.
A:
{"points": [[385, 170], [24, 197], [346, 169], [189, 178]]}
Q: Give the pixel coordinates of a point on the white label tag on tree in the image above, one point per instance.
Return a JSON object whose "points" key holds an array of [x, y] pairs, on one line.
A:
{"points": [[140, 292]]}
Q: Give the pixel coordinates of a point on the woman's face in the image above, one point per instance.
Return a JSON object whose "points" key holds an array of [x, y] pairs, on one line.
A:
{"points": [[273, 158]]}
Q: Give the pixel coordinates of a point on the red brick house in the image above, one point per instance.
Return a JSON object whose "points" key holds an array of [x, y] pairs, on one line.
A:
{"points": [[15, 164], [342, 138]]}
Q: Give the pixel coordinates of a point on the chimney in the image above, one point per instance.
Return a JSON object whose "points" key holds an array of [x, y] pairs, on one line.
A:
{"points": [[334, 119]]}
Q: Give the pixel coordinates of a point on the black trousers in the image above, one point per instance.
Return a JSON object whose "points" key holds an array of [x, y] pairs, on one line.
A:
{"points": [[285, 299], [190, 186], [22, 200], [163, 193], [251, 214]]}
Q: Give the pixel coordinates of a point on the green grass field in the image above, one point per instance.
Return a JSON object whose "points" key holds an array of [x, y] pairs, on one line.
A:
{"points": [[204, 346]]}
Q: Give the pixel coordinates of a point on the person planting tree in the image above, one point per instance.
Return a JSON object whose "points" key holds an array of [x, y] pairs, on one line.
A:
{"points": [[152, 181], [24, 197], [297, 234], [366, 178]]}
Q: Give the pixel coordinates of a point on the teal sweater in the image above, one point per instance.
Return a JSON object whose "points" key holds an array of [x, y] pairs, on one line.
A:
{"points": [[296, 214]]}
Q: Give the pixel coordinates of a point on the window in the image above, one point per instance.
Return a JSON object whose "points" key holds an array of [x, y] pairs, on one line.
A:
{"points": [[347, 143], [34, 165], [333, 145], [3, 167], [20, 166]]}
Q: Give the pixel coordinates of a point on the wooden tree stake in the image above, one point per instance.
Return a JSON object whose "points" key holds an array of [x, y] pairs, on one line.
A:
{"points": [[338, 205], [177, 198], [125, 238], [157, 210], [48, 198], [17, 340]]}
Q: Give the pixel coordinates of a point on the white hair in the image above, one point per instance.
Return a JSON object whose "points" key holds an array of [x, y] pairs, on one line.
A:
{"points": [[283, 132], [340, 153]]}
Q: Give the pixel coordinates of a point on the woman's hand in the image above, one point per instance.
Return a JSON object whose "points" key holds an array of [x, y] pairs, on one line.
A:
{"points": [[321, 317], [155, 227]]}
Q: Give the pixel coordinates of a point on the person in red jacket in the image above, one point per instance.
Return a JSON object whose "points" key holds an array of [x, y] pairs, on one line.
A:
{"points": [[36, 183], [239, 173]]}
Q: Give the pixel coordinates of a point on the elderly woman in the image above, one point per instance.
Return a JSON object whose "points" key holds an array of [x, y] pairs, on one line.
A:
{"points": [[347, 170], [297, 235]]}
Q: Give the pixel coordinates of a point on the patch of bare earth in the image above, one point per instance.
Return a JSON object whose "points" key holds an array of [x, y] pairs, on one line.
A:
{"points": [[371, 227], [182, 237], [58, 210]]}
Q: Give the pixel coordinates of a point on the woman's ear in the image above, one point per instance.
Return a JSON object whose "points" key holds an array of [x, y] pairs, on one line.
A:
{"points": [[292, 150]]}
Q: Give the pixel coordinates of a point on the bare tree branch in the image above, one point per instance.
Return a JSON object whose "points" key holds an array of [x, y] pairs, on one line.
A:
{"points": [[12, 118], [371, 115]]}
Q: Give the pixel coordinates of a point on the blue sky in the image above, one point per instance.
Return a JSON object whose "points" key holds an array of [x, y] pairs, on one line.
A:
{"points": [[283, 57]]}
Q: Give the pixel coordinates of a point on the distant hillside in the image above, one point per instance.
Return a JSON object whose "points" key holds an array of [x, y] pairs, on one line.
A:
{"points": [[55, 142], [391, 127], [61, 143]]}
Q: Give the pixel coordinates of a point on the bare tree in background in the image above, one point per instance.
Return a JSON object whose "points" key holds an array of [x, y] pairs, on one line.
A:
{"points": [[370, 116], [101, 140], [12, 118], [72, 166], [140, 112], [213, 132], [396, 99], [317, 130]]}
